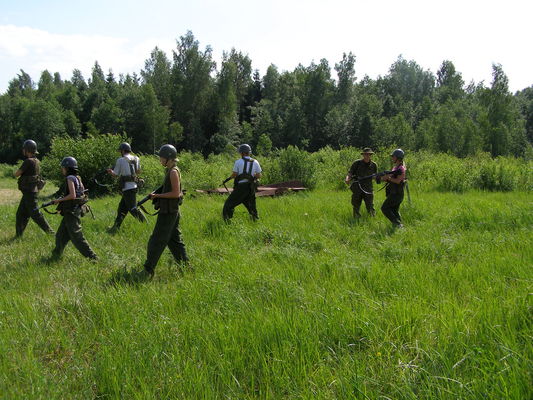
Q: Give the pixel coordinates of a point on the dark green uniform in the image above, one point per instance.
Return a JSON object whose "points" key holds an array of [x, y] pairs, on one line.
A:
{"points": [[27, 208], [363, 190], [127, 204], [70, 227], [166, 230], [391, 205]]}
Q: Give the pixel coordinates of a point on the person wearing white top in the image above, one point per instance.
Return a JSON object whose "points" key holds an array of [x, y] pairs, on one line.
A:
{"points": [[126, 168], [245, 172]]}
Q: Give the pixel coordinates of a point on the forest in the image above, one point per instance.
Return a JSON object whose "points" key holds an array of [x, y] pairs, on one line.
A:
{"points": [[192, 102]]}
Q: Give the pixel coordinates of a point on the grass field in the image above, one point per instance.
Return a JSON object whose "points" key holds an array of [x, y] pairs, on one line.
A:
{"points": [[306, 303]]}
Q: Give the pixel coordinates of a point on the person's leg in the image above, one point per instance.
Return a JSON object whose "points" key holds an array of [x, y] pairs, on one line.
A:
{"points": [[369, 203], [390, 207], [357, 197], [73, 225], [176, 244], [22, 217], [159, 240], [122, 210], [234, 199], [130, 201], [62, 238], [36, 215]]}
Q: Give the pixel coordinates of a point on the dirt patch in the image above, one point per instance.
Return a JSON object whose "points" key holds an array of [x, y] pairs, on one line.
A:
{"points": [[9, 196]]}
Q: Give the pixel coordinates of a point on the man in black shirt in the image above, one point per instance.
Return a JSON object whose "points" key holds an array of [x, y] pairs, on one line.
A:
{"points": [[29, 180], [362, 189]]}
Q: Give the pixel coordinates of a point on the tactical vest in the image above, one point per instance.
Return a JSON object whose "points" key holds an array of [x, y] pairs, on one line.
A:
{"points": [[70, 206], [395, 188], [133, 172], [31, 182], [168, 206], [246, 174]]}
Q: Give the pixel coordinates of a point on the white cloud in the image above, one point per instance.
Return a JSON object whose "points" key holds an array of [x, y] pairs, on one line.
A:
{"points": [[35, 50]]}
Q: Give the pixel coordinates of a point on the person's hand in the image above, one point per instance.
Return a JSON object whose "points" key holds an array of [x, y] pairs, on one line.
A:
{"points": [[55, 201], [153, 196], [109, 171]]}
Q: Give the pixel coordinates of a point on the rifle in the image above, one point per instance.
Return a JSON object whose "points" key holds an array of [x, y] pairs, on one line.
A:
{"points": [[44, 205], [225, 181], [376, 175], [145, 199]]}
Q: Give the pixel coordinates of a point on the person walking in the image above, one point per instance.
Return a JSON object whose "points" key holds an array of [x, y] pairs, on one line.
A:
{"points": [[362, 189], [166, 231], [29, 183], [70, 206], [395, 189], [127, 168], [246, 171]]}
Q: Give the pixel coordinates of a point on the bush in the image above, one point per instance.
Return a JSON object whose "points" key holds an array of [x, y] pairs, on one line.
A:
{"points": [[296, 164], [6, 170], [94, 154]]}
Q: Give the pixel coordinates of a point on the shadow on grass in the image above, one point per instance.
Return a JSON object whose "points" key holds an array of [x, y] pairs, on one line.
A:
{"points": [[129, 277]]}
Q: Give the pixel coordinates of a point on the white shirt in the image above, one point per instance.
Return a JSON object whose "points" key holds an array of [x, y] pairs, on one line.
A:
{"points": [[238, 168], [122, 168]]}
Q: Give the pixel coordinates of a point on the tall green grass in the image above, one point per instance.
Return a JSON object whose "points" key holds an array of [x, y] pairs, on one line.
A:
{"points": [[306, 303]]}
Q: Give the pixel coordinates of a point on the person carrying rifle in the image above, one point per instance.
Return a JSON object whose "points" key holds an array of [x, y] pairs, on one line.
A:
{"points": [[395, 189], [245, 172], [29, 183], [166, 231], [70, 206], [362, 189], [126, 168]]}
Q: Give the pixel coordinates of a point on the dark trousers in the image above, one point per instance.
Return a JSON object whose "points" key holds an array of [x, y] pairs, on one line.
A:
{"points": [[28, 209], [244, 194], [391, 207], [70, 230], [166, 234], [127, 204], [357, 197]]}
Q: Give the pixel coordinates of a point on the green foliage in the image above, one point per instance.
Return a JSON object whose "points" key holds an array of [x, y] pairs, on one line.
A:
{"points": [[94, 154], [295, 164]]}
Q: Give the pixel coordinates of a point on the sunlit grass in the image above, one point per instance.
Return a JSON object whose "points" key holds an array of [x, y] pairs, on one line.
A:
{"points": [[305, 303]]}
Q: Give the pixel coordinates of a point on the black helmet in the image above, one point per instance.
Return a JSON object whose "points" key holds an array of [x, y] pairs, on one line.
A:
{"points": [[69, 162], [245, 148], [125, 147], [31, 146], [398, 153], [168, 151]]}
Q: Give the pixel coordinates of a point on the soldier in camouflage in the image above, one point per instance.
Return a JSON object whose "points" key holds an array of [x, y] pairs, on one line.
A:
{"points": [[362, 190]]}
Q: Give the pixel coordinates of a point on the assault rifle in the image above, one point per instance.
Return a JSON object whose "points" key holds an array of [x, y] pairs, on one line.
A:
{"points": [[147, 197], [44, 205], [394, 173]]}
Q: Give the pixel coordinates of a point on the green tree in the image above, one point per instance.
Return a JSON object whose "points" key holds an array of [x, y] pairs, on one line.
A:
{"points": [[157, 72]]}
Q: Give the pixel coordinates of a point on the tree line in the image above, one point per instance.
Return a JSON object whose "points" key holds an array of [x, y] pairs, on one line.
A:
{"points": [[191, 103]]}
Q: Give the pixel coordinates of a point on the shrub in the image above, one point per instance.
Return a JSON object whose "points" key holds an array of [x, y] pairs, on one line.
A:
{"points": [[296, 164], [94, 154]]}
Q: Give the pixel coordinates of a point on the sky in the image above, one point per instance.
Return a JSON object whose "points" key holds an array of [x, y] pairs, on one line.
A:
{"points": [[60, 36]]}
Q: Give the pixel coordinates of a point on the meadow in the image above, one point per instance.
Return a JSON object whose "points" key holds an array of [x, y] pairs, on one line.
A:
{"points": [[305, 303]]}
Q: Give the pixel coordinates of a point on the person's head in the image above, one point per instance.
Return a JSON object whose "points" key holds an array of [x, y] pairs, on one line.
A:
{"points": [[69, 166], [367, 154], [29, 148], [168, 155], [124, 148], [397, 156], [245, 149]]}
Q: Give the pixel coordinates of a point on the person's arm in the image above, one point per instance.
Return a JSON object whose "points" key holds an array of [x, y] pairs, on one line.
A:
{"points": [[176, 188], [399, 179], [350, 173], [71, 193], [21, 170], [115, 171]]}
